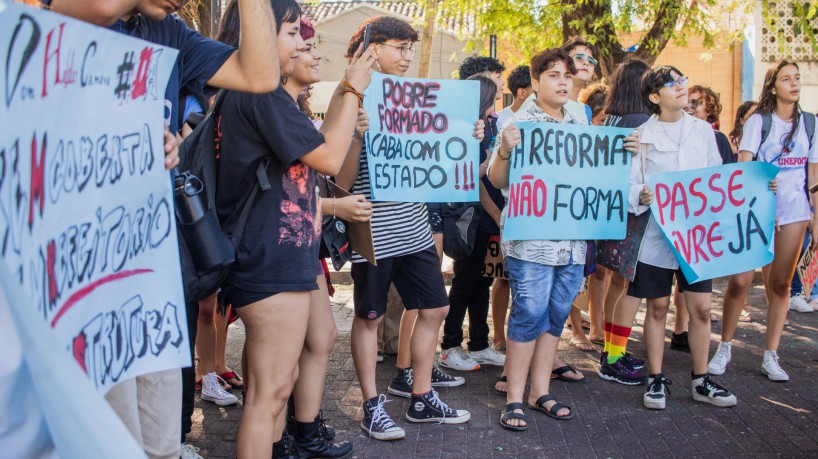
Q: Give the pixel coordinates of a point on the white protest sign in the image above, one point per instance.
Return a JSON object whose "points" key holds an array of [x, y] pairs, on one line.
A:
{"points": [[86, 208]]}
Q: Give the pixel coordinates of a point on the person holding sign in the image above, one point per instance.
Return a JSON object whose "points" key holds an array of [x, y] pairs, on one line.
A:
{"points": [[672, 140], [271, 284], [545, 276], [406, 255], [778, 133]]}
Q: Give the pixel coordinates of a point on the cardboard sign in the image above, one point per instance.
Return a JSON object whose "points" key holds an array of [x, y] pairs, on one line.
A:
{"points": [[493, 264], [718, 220], [86, 211], [807, 270], [568, 182], [420, 145]]}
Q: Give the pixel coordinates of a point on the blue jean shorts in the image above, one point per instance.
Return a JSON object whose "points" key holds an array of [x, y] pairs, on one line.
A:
{"points": [[542, 296]]}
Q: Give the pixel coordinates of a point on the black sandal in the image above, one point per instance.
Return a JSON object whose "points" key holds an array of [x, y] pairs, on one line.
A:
{"points": [[559, 373], [509, 414], [540, 406], [498, 391]]}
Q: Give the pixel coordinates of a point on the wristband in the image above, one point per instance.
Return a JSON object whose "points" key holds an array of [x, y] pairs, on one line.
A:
{"points": [[349, 88], [504, 158]]}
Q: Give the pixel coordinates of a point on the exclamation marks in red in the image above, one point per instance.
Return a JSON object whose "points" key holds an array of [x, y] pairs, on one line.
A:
{"points": [[467, 174]]}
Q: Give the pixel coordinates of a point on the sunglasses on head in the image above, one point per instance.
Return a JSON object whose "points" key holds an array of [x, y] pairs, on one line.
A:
{"points": [[583, 57]]}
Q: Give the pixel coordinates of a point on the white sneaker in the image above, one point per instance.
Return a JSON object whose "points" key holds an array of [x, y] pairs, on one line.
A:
{"points": [[489, 356], [813, 304], [723, 355], [457, 359], [187, 451], [772, 369], [656, 393], [706, 390], [212, 391], [799, 304]]}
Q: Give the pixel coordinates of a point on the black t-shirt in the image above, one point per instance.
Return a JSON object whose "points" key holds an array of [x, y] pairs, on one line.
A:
{"points": [[629, 120], [487, 223], [280, 244], [725, 149], [199, 57]]}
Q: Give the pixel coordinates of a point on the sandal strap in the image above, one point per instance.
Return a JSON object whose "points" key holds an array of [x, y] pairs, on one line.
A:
{"points": [[502, 379], [557, 407], [509, 415], [513, 406], [545, 398], [563, 369]]}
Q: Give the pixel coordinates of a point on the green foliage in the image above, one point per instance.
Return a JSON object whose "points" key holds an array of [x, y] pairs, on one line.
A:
{"points": [[799, 15]]}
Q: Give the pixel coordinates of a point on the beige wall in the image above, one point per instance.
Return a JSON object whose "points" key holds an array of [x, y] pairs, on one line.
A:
{"points": [[334, 33]]}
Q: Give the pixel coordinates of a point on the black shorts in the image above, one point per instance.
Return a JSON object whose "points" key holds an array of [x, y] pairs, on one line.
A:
{"points": [[655, 282], [416, 276], [435, 217], [239, 297]]}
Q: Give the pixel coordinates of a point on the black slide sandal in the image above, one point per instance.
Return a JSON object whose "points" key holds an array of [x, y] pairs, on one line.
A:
{"points": [[559, 373], [508, 414], [540, 406], [498, 391]]}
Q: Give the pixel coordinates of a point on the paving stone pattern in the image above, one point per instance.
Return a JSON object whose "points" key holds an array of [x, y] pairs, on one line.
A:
{"points": [[771, 419]]}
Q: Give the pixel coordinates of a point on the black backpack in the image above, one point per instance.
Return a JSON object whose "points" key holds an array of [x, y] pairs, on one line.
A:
{"points": [[809, 125], [207, 253], [460, 223]]}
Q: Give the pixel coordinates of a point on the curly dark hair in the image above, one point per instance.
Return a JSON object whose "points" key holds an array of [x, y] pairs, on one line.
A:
{"points": [[473, 65], [547, 59], [519, 78], [653, 81], [383, 28], [711, 100]]}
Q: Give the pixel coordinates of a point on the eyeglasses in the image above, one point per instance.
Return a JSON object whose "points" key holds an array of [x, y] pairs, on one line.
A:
{"points": [[681, 82], [694, 103], [583, 57], [404, 50]]}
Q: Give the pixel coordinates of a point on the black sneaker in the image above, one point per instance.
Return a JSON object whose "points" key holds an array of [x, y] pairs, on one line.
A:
{"points": [[634, 362], [621, 372], [656, 393], [441, 379], [429, 408], [283, 449], [377, 423], [603, 360], [707, 390], [679, 342], [401, 384]]}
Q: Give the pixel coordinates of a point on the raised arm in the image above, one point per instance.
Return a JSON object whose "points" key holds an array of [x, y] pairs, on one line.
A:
{"points": [[254, 66]]}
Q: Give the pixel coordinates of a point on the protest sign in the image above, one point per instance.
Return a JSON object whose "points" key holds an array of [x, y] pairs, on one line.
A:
{"points": [[807, 270], [86, 211], [718, 220], [420, 145], [493, 263], [568, 182]]}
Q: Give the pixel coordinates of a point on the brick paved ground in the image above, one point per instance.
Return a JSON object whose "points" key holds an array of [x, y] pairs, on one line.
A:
{"points": [[771, 419]]}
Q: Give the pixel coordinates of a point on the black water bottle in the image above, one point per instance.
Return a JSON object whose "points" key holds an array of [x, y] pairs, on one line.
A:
{"points": [[210, 248]]}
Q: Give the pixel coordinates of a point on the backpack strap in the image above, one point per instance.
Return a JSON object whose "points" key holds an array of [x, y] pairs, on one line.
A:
{"points": [[766, 127], [263, 185], [809, 124]]}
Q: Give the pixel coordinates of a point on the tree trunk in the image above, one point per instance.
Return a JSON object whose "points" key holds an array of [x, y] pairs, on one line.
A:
{"points": [[429, 19], [576, 21], [205, 18]]}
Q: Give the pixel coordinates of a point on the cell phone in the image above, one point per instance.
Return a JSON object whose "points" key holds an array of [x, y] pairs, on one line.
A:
{"points": [[367, 32]]}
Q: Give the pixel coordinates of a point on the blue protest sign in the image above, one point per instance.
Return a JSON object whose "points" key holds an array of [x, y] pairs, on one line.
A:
{"points": [[568, 181], [718, 220], [419, 146]]}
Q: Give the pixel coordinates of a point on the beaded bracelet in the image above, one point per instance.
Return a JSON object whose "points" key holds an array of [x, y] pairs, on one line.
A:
{"points": [[349, 88]]}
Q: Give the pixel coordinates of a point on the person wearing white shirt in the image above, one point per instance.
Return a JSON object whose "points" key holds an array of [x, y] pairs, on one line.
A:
{"points": [[788, 147], [519, 83], [671, 141]]}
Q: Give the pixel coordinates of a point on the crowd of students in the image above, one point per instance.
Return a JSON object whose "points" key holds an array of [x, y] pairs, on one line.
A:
{"points": [[265, 59]]}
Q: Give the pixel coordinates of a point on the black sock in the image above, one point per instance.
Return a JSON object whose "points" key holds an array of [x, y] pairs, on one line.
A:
{"points": [[695, 376]]}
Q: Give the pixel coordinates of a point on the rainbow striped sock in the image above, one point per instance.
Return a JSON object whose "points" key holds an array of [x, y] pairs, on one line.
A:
{"points": [[607, 329], [619, 342]]}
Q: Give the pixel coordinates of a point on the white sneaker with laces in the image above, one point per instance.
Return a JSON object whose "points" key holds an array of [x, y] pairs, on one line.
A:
{"points": [[488, 356], [187, 451], [799, 304], [212, 391], [772, 368], [723, 355], [457, 359]]}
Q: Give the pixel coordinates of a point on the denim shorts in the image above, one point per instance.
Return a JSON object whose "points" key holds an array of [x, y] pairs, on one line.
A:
{"points": [[542, 296]]}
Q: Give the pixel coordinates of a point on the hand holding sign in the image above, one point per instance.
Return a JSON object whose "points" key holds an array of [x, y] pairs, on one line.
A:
{"points": [[646, 197], [362, 125], [718, 220], [509, 141]]}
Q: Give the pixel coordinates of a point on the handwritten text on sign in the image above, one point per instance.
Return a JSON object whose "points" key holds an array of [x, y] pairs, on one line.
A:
{"points": [[568, 181], [419, 146], [719, 220], [86, 211], [807, 270]]}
